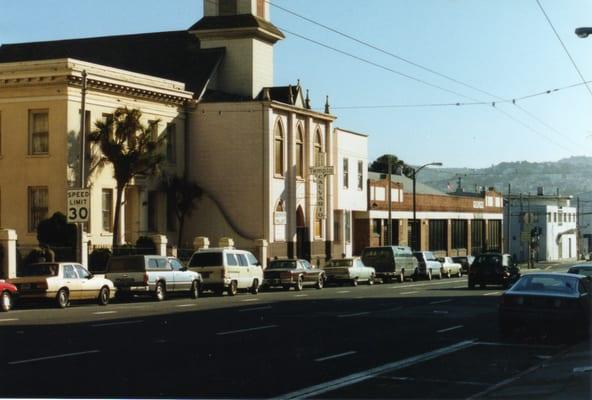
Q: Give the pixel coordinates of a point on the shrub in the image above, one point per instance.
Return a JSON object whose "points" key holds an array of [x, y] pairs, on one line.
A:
{"points": [[145, 245], [97, 260]]}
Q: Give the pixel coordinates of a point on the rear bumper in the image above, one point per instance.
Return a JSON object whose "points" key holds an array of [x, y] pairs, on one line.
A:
{"points": [[269, 282]]}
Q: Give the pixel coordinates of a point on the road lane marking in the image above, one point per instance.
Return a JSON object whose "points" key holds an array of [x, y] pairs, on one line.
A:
{"points": [[353, 315], [460, 287], [8, 319], [139, 321], [30, 360], [420, 380], [441, 301], [316, 390], [505, 382], [440, 312], [347, 353], [249, 300], [404, 286], [410, 292], [301, 295], [491, 293], [581, 370], [246, 330], [104, 312], [548, 268], [344, 291], [453, 328], [532, 346], [255, 309], [186, 305]]}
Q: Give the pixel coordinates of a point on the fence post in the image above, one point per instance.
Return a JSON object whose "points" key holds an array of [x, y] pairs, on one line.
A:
{"points": [[261, 245], [201, 242], [160, 241], [226, 242], [84, 250], [8, 242]]}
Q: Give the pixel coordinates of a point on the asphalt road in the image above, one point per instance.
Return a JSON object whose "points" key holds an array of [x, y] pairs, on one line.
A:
{"points": [[414, 340]]}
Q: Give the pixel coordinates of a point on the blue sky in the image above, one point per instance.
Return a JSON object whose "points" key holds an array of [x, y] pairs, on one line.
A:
{"points": [[504, 47]]}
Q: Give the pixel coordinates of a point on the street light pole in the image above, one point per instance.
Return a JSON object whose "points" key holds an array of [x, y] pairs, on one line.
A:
{"points": [[415, 172], [390, 204]]}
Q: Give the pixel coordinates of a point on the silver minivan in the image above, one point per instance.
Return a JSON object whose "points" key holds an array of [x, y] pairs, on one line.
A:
{"points": [[227, 269]]}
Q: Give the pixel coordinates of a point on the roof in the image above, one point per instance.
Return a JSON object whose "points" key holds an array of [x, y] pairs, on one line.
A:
{"points": [[407, 183], [172, 55], [235, 22]]}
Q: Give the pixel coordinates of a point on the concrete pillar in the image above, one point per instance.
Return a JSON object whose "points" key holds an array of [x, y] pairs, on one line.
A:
{"points": [[261, 245], [8, 243], [469, 238], [201, 242], [226, 242], [403, 232], [449, 239], [84, 249], [160, 241]]}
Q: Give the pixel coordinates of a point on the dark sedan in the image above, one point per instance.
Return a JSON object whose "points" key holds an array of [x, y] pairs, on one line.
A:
{"points": [[493, 269], [581, 269], [465, 262], [293, 273], [546, 300]]}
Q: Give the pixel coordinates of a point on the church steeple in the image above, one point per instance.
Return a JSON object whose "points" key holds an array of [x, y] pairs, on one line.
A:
{"points": [[243, 28]]}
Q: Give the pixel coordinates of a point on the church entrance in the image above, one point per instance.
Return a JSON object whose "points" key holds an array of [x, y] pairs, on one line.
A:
{"points": [[302, 234]]}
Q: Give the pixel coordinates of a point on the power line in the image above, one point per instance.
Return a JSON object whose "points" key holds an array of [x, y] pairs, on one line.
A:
{"points": [[563, 45]]}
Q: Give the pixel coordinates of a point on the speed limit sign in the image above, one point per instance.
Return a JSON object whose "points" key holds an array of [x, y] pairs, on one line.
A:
{"points": [[78, 205]]}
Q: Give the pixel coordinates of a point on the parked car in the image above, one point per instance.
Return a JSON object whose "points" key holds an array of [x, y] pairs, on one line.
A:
{"points": [[464, 261], [349, 270], [227, 269], [449, 267], [390, 262], [62, 282], [150, 274], [581, 269], [493, 269], [293, 273], [547, 300], [8, 293], [428, 266]]}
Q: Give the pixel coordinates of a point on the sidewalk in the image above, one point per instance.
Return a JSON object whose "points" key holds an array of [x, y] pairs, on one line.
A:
{"points": [[565, 376]]}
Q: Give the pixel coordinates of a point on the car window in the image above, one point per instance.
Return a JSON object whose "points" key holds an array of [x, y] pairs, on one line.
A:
{"points": [[206, 259], [242, 260], [163, 263], [152, 264], [305, 264], [547, 283], [82, 273], [252, 259], [69, 272], [231, 259], [582, 288], [177, 266]]}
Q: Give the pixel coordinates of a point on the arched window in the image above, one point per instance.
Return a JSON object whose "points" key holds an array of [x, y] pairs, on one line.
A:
{"points": [[300, 153], [318, 146], [279, 149]]}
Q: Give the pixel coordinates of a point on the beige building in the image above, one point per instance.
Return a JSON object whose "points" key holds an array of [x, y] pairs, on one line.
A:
{"points": [[253, 147]]}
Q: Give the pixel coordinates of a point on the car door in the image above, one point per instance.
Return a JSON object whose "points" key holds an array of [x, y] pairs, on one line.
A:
{"points": [[71, 281], [233, 270], [87, 288], [310, 273], [359, 270], [245, 271], [165, 271], [182, 278]]}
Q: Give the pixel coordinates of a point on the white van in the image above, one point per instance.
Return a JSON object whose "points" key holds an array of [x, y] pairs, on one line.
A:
{"points": [[227, 269]]}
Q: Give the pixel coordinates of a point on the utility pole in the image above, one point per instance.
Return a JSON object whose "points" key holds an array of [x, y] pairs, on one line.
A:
{"points": [[509, 222], [82, 158], [390, 204], [578, 229]]}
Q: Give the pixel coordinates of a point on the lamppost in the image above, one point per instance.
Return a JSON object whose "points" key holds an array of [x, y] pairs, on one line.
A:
{"points": [[415, 172]]}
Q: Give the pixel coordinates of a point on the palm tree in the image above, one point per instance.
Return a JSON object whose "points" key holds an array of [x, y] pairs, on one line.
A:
{"points": [[185, 194], [128, 145]]}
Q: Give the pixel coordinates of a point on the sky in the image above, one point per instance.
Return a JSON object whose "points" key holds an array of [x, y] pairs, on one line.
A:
{"points": [[505, 48]]}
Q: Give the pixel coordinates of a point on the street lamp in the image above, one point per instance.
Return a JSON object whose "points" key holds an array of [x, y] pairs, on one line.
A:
{"points": [[583, 32], [415, 172]]}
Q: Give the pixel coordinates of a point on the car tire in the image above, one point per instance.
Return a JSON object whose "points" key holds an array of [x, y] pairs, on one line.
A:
{"points": [[104, 296], [219, 292], [321, 282], [63, 298], [354, 282], [195, 290], [6, 301], [299, 284], [255, 287], [429, 275], [160, 291], [371, 280], [232, 289], [401, 277]]}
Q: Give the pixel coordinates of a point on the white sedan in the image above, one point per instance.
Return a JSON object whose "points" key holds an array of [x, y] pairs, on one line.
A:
{"points": [[349, 270], [449, 267]]}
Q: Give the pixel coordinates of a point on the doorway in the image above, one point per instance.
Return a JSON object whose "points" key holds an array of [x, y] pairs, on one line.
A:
{"points": [[302, 235]]}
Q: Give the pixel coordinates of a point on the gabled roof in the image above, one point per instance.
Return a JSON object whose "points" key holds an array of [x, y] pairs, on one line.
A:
{"points": [[291, 95], [172, 55]]}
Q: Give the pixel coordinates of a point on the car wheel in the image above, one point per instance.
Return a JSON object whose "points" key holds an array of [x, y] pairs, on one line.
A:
{"points": [[219, 292], [6, 301], [299, 285], [354, 282], [232, 289], [321, 282], [371, 280], [63, 298], [255, 287], [401, 277], [194, 291], [160, 291], [429, 275], [103, 298]]}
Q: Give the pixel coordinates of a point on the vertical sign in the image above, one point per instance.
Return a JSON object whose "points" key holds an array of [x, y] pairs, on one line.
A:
{"points": [[320, 171], [78, 205]]}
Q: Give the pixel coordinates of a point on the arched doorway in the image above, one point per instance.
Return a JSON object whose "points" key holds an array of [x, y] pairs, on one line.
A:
{"points": [[302, 242]]}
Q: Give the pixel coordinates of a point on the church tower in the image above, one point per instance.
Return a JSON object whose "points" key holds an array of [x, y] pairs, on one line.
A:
{"points": [[243, 28]]}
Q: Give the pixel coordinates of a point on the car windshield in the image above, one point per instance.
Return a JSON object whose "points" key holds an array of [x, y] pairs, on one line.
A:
{"points": [[547, 284], [278, 264], [488, 259], [340, 263], [40, 270], [206, 259]]}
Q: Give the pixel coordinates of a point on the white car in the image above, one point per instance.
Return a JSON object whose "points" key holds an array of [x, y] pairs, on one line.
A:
{"points": [[449, 267], [349, 270], [227, 269]]}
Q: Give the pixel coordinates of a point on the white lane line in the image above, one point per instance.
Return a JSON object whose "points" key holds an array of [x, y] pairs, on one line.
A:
{"points": [[441, 301], [353, 315], [186, 305], [104, 312], [581, 370], [526, 346], [440, 312], [255, 309], [491, 293], [460, 287], [246, 330], [344, 291], [505, 382], [316, 390], [347, 353], [30, 360], [410, 379], [453, 328], [548, 268], [447, 282], [410, 292], [139, 321], [8, 319], [301, 295], [249, 300]]}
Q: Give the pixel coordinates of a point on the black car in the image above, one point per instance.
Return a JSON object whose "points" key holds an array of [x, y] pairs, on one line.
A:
{"points": [[581, 269], [465, 262], [547, 301], [493, 269]]}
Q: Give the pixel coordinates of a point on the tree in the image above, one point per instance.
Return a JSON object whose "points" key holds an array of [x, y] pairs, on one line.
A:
{"points": [[128, 145], [185, 194], [381, 165], [57, 236]]}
